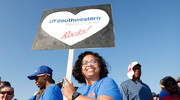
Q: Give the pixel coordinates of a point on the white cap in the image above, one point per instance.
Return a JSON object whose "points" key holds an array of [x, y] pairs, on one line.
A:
{"points": [[130, 69]]}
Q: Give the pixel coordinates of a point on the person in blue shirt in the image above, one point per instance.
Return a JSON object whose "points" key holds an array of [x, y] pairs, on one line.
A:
{"points": [[134, 88], [172, 88], [163, 91], [43, 79], [91, 69]]}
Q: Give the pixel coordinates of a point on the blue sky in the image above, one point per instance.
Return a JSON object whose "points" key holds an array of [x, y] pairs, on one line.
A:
{"points": [[147, 31]]}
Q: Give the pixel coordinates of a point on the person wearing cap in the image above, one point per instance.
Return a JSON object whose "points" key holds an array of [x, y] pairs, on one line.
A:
{"points": [[171, 86], [134, 88], [178, 81], [43, 79]]}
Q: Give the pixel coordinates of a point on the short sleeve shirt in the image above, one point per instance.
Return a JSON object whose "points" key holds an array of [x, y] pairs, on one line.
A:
{"points": [[52, 92], [106, 86]]}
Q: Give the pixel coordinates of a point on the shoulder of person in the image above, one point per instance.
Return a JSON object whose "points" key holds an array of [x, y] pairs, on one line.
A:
{"points": [[53, 86], [144, 84], [126, 82], [106, 79]]}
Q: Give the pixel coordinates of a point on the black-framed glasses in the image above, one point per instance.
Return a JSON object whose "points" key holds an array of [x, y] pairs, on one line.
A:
{"points": [[92, 62], [8, 92], [172, 82]]}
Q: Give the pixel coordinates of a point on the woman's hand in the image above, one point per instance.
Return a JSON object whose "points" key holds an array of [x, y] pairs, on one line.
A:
{"points": [[68, 89]]}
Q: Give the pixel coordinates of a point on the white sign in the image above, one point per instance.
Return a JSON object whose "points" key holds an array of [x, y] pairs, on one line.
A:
{"points": [[75, 28], [71, 29]]}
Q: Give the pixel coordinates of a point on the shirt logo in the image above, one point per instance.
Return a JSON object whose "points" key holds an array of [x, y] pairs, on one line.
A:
{"points": [[92, 94]]}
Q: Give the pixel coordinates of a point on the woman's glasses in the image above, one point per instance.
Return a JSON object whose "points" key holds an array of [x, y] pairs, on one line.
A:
{"points": [[8, 92], [167, 85], [92, 62]]}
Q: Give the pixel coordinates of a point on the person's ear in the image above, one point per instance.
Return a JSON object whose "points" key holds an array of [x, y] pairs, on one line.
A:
{"points": [[45, 76], [162, 86]]}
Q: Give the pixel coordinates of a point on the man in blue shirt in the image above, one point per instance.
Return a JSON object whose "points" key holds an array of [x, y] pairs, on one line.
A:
{"points": [[43, 79], [134, 88]]}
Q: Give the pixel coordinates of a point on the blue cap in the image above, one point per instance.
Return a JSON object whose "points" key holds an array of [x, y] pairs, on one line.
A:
{"points": [[41, 70]]}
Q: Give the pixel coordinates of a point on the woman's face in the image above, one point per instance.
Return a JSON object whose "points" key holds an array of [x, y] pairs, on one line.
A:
{"points": [[90, 67]]}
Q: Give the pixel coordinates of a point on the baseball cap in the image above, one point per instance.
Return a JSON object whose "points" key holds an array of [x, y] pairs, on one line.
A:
{"points": [[130, 69], [41, 70]]}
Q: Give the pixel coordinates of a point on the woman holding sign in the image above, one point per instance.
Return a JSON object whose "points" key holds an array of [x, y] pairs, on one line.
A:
{"points": [[91, 69]]}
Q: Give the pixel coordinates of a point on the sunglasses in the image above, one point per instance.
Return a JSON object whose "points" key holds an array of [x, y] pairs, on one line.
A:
{"points": [[167, 85], [8, 92], [37, 77]]}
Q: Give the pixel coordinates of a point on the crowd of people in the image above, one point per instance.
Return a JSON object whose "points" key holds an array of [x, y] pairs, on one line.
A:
{"points": [[91, 70]]}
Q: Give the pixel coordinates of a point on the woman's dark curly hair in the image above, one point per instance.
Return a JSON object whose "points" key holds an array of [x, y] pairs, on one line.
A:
{"points": [[77, 67]]}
